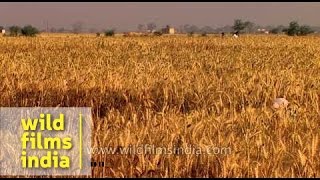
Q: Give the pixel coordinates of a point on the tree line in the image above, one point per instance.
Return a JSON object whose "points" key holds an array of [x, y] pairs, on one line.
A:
{"points": [[241, 26], [27, 30]]}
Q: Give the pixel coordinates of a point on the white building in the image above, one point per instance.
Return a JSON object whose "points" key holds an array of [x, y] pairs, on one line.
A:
{"points": [[171, 30], [3, 31], [263, 31], [168, 30]]}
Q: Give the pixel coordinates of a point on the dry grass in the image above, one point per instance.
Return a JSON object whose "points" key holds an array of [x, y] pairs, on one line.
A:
{"points": [[166, 91]]}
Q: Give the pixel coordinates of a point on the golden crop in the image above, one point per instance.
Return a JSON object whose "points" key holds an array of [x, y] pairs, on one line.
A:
{"points": [[179, 91]]}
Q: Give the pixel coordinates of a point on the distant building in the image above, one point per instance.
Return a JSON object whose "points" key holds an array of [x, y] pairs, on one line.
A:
{"points": [[263, 31], [168, 30], [151, 31], [171, 30], [3, 31]]}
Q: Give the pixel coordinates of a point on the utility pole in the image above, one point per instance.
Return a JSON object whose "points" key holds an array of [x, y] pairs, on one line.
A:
{"points": [[47, 26]]}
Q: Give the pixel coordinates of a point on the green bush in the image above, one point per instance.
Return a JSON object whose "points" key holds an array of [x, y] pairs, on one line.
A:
{"points": [[109, 33], [14, 30], [296, 30], [293, 29], [29, 31], [305, 30]]}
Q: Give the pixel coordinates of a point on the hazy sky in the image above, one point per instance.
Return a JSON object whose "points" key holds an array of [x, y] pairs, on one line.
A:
{"points": [[126, 16]]}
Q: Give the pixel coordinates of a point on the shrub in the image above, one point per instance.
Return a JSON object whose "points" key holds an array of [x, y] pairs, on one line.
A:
{"points": [[275, 30], [305, 30], [296, 30], [109, 33], [14, 30], [29, 31]]}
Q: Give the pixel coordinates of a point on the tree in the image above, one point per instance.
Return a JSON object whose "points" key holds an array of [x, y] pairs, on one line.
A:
{"points": [[249, 27], [305, 30], [238, 25], [293, 29], [194, 29], [207, 29], [61, 30], [296, 30], [141, 27], [227, 28], [53, 30], [186, 28], [151, 26], [277, 30], [190, 29], [77, 27], [29, 31], [14, 30], [1, 27], [109, 32]]}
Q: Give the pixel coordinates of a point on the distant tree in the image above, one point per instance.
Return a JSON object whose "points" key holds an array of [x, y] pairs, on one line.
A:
{"points": [[225, 29], [194, 29], [141, 27], [109, 32], [1, 27], [151, 26], [181, 29], [77, 27], [29, 31], [277, 30], [14, 30], [305, 30], [293, 29], [249, 27], [186, 28], [207, 29], [61, 30], [190, 29], [238, 25], [53, 30]]}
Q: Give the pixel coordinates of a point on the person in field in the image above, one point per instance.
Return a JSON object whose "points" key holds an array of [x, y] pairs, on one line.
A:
{"points": [[236, 34]]}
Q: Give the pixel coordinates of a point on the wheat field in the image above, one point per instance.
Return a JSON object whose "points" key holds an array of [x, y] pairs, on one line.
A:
{"points": [[179, 91]]}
